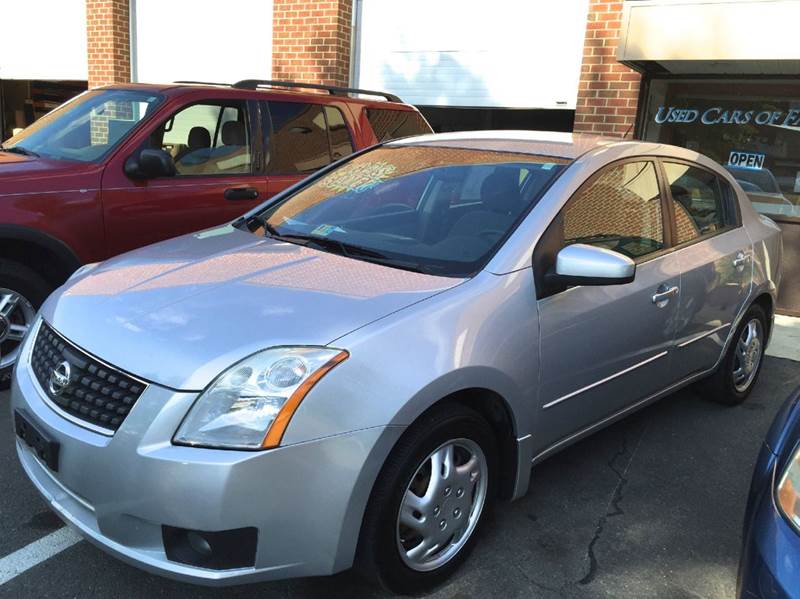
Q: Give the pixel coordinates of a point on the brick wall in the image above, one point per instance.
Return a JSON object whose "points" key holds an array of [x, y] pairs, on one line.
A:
{"points": [[108, 41], [608, 92], [311, 41]]}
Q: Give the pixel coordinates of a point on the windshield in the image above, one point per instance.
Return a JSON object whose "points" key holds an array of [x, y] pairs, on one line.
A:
{"points": [[437, 210], [85, 128]]}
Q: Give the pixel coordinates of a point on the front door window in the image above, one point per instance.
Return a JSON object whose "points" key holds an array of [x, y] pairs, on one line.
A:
{"points": [[207, 139]]}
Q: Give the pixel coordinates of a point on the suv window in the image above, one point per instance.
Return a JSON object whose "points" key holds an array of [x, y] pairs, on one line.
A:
{"points": [[392, 124], [341, 144], [299, 138], [697, 199], [207, 139], [619, 210]]}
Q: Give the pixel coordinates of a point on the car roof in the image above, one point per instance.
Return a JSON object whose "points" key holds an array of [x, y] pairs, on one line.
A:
{"points": [[187, 87], [543, 143], [568, 146]]}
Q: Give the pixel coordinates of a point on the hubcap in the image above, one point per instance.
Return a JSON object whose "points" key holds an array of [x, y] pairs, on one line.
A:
{"points": [[16, 317], [442, 505], [749, 349]]}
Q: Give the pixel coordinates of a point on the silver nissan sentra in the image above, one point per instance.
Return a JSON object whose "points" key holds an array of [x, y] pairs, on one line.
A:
{"points": [[353, 372]]}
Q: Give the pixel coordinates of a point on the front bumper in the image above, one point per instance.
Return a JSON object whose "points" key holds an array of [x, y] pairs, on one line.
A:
{"points": [[306, 500]]}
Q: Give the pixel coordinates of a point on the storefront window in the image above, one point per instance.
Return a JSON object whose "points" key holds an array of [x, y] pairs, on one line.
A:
{"points": [[750, 126]]}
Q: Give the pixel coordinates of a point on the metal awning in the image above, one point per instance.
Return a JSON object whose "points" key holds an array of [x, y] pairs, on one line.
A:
{"points": [[738, 37]]}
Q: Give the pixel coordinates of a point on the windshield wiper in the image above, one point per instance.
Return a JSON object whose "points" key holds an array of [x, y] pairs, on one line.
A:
{"points": [[20, 150], [344, 249]]}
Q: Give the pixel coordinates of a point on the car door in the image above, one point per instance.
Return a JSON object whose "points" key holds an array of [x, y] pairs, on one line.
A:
{"points": [[715, 257], [304, 137], [216, 148], [604, 348]]}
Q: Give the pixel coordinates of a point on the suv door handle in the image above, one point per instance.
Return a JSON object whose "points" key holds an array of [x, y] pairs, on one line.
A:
{"points": [[663, 294], [241, 193], [740, 260]]}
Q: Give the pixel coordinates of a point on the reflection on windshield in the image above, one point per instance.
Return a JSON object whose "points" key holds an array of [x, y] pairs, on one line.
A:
{"points": [[432, 209], [85, 128]]}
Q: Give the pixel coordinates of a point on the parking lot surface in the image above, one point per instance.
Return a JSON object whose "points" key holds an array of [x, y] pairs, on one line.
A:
{"points": [[650, 507]]}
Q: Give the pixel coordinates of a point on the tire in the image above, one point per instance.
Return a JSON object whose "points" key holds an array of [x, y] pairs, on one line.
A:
{"points": [[33, 289], [464, 499], [729, 385]]}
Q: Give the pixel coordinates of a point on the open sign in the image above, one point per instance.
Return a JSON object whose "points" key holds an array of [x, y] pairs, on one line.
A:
{"points": [[751, 160]]}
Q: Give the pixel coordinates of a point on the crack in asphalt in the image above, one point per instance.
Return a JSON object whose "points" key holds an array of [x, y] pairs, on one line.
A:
{"points": [[613, 508]]}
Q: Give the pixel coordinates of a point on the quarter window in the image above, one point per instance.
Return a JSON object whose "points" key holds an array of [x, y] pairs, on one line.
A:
{"points": [[697, 200], [392, 124], [619, 210], [207, 139]]}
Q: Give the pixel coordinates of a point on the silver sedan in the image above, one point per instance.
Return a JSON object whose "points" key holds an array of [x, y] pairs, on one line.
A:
{"points": [[353, 372]]}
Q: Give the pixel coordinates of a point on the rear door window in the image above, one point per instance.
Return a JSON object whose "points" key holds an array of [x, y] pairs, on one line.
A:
{"points": [[392, 124], [306, 137], [698, 200], [341, 144]]}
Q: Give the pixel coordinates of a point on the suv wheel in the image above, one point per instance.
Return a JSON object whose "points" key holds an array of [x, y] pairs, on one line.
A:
{"points": [[737, 374], [22, 291], [428, 501]]}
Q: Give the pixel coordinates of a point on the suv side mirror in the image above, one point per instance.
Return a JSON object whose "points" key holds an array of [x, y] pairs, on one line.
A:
{"points": [[150, 164], [582, 264]]}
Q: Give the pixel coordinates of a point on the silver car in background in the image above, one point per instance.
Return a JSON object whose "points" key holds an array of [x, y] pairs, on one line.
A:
{"points": [[351, 373]]}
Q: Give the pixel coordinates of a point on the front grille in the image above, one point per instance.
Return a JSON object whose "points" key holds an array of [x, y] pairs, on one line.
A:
{"points": [[95, 392]]}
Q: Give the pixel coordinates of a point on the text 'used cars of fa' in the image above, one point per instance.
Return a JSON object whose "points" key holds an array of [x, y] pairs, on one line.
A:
{"points": [[352, 372], [123, 166]]}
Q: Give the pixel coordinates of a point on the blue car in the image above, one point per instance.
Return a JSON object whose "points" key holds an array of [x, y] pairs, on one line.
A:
{"points": [[770, 564]]}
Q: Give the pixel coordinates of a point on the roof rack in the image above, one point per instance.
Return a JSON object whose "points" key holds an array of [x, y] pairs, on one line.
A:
{"points": [[202, 83], [331, 89]]}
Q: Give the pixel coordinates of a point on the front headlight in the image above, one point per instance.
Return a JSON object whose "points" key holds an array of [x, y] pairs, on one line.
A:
{"points": [[249, 405], [788, 492]]}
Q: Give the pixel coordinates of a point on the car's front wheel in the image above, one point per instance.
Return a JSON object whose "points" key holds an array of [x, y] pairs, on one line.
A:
{"points": [[429, 500], [22, 291]]}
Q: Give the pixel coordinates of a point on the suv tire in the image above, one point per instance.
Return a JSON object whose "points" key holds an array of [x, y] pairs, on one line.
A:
{"points": [[30, 289]]}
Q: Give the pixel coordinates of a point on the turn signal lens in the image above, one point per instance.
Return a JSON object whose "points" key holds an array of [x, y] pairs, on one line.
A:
{"points": [[788, 492]]}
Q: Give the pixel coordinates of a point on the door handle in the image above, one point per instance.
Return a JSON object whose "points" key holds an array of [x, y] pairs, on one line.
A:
{"points": [[740, 260], [241, 193], [663, 294]]}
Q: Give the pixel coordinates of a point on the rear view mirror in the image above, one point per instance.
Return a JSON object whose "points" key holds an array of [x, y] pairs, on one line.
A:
{"points": [[582, 264], [150, 164]]}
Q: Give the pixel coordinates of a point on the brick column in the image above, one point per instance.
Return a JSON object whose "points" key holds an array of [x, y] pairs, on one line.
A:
{"points": [[311, 41], [608, 92], [108, 41]]}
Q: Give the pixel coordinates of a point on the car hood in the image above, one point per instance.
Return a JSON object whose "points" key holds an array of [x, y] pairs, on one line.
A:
{"points": [[179, 312], [31, 174]]}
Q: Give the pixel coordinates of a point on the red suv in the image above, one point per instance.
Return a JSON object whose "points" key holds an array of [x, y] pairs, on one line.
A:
{"points": [[123, 166]]}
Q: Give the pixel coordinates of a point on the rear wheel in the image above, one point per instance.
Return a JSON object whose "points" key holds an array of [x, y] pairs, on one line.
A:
{"points": [[428, 501], [22, 291], [737, 374]]}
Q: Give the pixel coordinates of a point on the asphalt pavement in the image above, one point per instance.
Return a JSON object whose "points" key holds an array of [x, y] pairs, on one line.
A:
{"points": [[649, 507]]}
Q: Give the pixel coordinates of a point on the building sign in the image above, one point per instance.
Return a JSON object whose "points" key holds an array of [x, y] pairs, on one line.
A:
{"points": [[717, 115], [752, 160]]}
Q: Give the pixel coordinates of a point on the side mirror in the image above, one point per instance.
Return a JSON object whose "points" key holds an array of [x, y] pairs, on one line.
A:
{"points": [[582, 264], [150, 164]]}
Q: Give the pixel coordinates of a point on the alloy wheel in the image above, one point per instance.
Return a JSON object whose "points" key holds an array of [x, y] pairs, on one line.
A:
{"points": [[442, 505], [749, 351], [16, 317]]}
